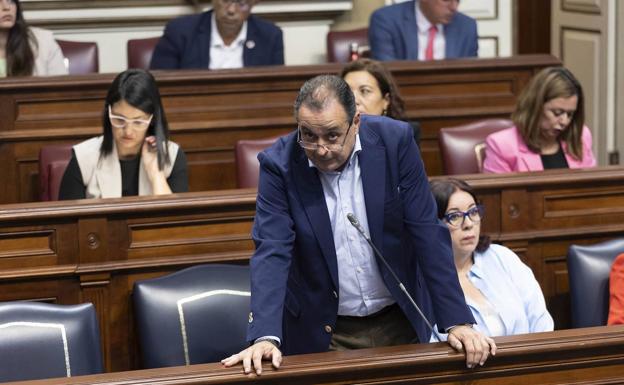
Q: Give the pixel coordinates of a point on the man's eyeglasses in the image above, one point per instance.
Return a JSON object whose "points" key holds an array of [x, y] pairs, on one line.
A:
{"points": [[243, 5], [121, 122], [457, 218], [333, 147]]}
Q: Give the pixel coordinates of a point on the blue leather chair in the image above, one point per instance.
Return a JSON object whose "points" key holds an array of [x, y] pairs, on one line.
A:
{"points": [[192, 316], [40, 340], [588, 272]]}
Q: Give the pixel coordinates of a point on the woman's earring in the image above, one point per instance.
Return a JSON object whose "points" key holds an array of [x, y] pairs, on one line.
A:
{"points": [[384, 112]]}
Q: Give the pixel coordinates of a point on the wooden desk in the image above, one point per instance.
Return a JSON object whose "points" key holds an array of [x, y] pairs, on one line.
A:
{"points": [[76, 251], [588, 356], [210, 110]]}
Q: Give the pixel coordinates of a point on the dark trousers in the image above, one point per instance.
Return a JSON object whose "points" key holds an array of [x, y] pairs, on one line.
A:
{"points": [[387, 327]]}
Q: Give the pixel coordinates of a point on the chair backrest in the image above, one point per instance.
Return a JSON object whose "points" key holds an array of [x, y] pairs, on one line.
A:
{"points": [[196, 315], [246, 156], [140, 52], [53, 160], [81, 57], [461, 146], [339, 44], [40, 340], [588, 272]]}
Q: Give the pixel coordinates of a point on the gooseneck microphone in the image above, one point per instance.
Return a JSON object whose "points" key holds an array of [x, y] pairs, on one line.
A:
{"points": [[360, 229]]}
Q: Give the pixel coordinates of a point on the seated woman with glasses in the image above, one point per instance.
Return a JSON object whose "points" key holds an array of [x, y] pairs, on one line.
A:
{"points": [[134, 156], [376, 92], [500, 290], [549, 129]]}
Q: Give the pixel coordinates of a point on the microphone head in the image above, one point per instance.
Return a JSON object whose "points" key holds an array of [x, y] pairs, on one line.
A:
{"points": [[352, 219]]}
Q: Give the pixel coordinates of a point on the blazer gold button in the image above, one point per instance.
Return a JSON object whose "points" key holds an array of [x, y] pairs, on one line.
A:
{"points": [[328, 328], [250, 317], [335, 294]]}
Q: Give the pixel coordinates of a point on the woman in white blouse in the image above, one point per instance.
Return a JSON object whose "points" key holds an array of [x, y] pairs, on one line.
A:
{"points": [[501, 291]]}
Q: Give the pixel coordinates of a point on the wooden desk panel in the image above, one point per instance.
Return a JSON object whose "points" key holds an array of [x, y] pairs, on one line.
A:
{"points": [[68, 252], [209, 111], [588, 356]]}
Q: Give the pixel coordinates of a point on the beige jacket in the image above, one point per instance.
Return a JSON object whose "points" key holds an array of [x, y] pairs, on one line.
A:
{"points": [[102, 175], [49, 59]]}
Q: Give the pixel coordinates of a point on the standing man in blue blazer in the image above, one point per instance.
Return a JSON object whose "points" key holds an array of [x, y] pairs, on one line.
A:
{"points": [[228, 36], [316, 284], [422, 30]]}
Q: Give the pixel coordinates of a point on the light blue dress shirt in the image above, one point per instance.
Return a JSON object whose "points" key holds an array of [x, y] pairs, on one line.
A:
{"points": [[361, 288], [512, 290]]}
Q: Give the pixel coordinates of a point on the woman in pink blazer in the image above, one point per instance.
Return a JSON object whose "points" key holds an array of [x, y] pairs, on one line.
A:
{"points": [[549, 129]]}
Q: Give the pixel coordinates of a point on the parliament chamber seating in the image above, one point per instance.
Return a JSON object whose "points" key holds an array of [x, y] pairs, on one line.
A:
{"points": [[588, 271], [41, 340], [140, 52], [195, 315], [53, 160], [208, 111], [462, 148], [81, 57], [247, 165], [94, 250], [339, 44]]}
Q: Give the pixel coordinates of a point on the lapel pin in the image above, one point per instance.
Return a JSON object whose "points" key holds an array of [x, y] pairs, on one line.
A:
{"points": [[250, 44]]}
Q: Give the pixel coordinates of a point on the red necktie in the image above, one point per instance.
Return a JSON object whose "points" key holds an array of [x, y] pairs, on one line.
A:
{"points": [[429, 50]]}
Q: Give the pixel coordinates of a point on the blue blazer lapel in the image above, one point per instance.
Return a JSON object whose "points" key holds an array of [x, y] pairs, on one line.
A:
{"points": [[409, 30], [203, 40], [250, 44], [451, 40], [313, 200], [373, 167]]}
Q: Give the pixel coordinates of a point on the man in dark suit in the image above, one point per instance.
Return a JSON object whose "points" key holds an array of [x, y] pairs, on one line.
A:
{"points": [[226, 37], [422, 30], [315, 282]]}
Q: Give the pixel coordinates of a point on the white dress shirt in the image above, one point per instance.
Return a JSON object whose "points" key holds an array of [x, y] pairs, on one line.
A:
{"points": [[226, 56], [439, 43]]}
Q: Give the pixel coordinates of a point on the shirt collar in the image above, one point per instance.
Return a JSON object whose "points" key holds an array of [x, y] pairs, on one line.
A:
{"points": [[357, 147], [422, 22], [477, 269], [217, 41]]}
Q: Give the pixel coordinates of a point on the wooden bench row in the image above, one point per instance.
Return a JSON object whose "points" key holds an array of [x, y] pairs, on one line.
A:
{"points": [[210, 110], [587, 356], [77, 251]]}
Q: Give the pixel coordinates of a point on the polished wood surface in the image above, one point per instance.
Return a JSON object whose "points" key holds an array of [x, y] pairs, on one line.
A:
{"points": [[588, 356], [209, 111], [77, 251]]}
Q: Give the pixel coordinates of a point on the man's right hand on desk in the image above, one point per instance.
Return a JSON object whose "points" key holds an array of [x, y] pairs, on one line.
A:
{"points": [[254, 355]]}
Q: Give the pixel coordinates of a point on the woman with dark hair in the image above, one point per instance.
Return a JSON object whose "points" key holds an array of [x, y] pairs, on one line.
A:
{"points": [[376, 92], [24, 50], [135, 155], [549, 129], [500, 290]]}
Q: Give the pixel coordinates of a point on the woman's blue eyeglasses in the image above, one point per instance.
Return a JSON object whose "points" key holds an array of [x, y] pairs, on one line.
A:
{"points": [[457, 218]]}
